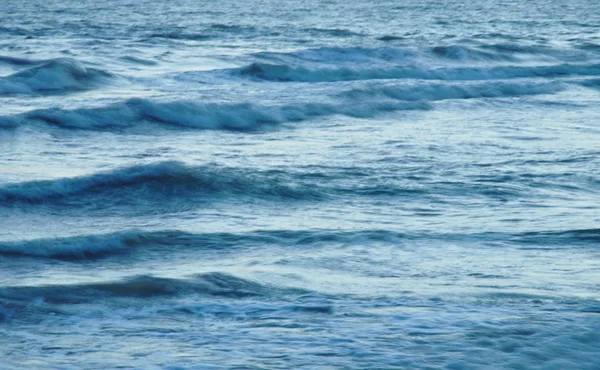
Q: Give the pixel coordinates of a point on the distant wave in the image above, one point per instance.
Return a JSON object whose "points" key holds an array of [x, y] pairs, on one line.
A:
{"points": [[390, 38], [213, 31], [295, 73], [181, 36], [215, 116], [147, 183], [335, 32], [52, 76]]}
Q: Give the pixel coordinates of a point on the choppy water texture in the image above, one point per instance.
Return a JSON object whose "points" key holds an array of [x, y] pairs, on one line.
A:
{"points": [[308, 185]]}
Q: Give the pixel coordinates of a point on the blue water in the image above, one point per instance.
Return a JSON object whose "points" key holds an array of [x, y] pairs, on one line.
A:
{"points": [[260, 184]]}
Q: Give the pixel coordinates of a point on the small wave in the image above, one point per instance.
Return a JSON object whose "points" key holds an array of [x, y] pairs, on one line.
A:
{"points": [[233, 28], [566, 237], [181, 36], [14, 31], [87, 246], [463, 53], [392, 55], [146, 183], [434, 92], [115, 244], [593, 83], [335, 32], [227, 116], [212, 284], [136, 60], [289, 73], [540, 52], [8, 123], [54, 76], [589, 46], [330, 55], [390, 38], [18, 61]]}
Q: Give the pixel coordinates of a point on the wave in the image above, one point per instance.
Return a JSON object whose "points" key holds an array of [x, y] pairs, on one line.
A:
{"points": [[211, 284], [389, 54], [463, 53], [17, 61], [233, 28], [335, 32], [52, 76], [566, 237], [340, 54], [80, 247], [136, 60], [390, 38], [215, 116], [181, 36], [435, 92], [115, 244], [153, 182], [14, 31], [88, 247], [295, 73], [592, 83]]}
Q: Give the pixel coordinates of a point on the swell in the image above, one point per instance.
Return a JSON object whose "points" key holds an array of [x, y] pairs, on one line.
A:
{"points": [[88, 247], [52, 76], [195, 115], [295, 73], [152, 183]]}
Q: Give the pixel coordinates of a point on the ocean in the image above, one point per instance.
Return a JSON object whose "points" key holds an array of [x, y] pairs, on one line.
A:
{"points": [[315, 184]]}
